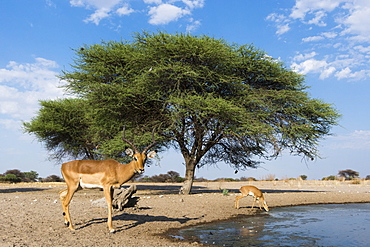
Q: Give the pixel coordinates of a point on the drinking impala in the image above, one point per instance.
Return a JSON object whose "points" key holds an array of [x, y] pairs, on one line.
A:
{"points": [[250, 190]]}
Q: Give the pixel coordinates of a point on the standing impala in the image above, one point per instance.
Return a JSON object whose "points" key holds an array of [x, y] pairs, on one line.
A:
{"points": [[105, 174], [250, 190]]}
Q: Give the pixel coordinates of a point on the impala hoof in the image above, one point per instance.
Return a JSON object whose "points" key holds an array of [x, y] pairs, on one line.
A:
{"points": [[112, 231]]}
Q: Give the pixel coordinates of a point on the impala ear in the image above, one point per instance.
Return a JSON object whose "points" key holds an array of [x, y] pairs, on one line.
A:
{"points": [[129, 152], [151, 154]]}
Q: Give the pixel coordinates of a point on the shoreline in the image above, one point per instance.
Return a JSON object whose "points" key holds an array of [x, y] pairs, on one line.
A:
{"points": [[32, 214]]}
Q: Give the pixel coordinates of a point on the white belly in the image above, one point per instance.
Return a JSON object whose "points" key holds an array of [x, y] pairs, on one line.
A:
{"points": [[90, 186]]}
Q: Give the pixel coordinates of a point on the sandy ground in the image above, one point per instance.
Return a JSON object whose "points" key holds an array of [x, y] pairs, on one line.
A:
{"points": [[31, 214]]}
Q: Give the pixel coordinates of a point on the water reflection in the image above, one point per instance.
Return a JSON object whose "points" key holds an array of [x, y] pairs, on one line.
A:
{"points": [[314, 225]]}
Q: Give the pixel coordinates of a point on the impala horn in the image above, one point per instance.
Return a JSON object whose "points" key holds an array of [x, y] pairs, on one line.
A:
{"points": [[130, 143], [150, 145]]}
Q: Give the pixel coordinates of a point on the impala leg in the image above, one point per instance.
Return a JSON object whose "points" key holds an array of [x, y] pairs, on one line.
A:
{"points": [[108, 193], [66, 197], [237, 198], [254, 200], [259, 203]]}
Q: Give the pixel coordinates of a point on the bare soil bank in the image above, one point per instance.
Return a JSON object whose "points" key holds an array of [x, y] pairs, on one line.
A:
{"points": [[31, 214]]}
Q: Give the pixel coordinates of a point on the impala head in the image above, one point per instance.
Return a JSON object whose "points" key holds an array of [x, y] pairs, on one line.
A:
{"points": [[139, 158]]}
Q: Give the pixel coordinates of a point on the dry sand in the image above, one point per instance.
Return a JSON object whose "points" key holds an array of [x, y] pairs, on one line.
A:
{"points": [[31, 214]]}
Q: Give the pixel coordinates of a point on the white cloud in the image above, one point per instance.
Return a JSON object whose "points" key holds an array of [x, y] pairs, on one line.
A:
{"points": [[153, 1], [23, 85], [192, 4], [359, 139], [125, 10], [357, 23], [304, 7], [311, 65], [282, 22], [339, 31], [159, 12], [329, 35], [312, 39], [99, 15], [302, 57], [103, 8], [194, 24], [318, 19], [165, 13]]}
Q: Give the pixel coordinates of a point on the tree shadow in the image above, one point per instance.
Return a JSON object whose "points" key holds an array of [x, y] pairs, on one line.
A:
{"points": [[174, 189], [280, 191], [15, 190], [138, 220]]}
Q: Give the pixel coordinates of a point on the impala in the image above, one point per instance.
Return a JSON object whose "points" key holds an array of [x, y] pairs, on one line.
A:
{"points": [[250, 190], [104, 174]]}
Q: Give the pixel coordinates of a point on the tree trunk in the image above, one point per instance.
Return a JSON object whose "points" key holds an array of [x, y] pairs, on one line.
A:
{"points": [[189, 178], [123, 197]]}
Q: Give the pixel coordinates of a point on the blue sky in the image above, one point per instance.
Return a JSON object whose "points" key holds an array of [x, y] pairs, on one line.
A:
{"points": [[327, 40]]}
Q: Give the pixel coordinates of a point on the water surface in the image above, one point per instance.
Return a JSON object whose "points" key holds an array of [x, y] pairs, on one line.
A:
{"points": [[312, 225]]}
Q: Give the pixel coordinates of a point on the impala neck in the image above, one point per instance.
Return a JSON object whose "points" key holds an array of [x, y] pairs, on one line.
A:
{"points": [[128, 171]]}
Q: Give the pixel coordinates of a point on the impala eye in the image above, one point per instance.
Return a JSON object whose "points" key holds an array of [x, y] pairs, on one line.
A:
{"points": [[135, 158]]}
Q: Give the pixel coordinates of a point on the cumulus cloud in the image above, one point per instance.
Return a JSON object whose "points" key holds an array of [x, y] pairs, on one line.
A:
{"points": [[23, 85], [312, 65], [303, 7], [356, 22], [160, 12], [165, 13], [194, 24], [339, 33], [282, 22], [359, 139], [125, 10], [312, 39]]}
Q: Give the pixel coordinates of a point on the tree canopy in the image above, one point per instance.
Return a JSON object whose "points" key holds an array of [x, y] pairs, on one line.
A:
{"points": [[212, 100]]}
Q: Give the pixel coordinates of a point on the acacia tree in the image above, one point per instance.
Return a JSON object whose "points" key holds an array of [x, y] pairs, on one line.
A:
{"points": [[348, 174], [212, 100], [64, 127]]}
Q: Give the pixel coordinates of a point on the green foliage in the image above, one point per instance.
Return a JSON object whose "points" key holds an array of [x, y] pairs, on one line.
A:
{"points": [[248, 179], [52, 178], [225, 192], [331, 177], [212, 100], [348, 174], [15, 176], [170, 177], [64, 127], [31, 176], [303, 177], [10, 178]]}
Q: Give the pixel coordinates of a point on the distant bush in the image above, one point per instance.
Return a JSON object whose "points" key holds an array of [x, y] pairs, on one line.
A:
{"points": [[348, 174], [331, 177], [248, 179], [269, 177], [15, 176], [52, 178], [170, 177], [201, 180], [10, 178], [226, 180], [356, 181]]}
